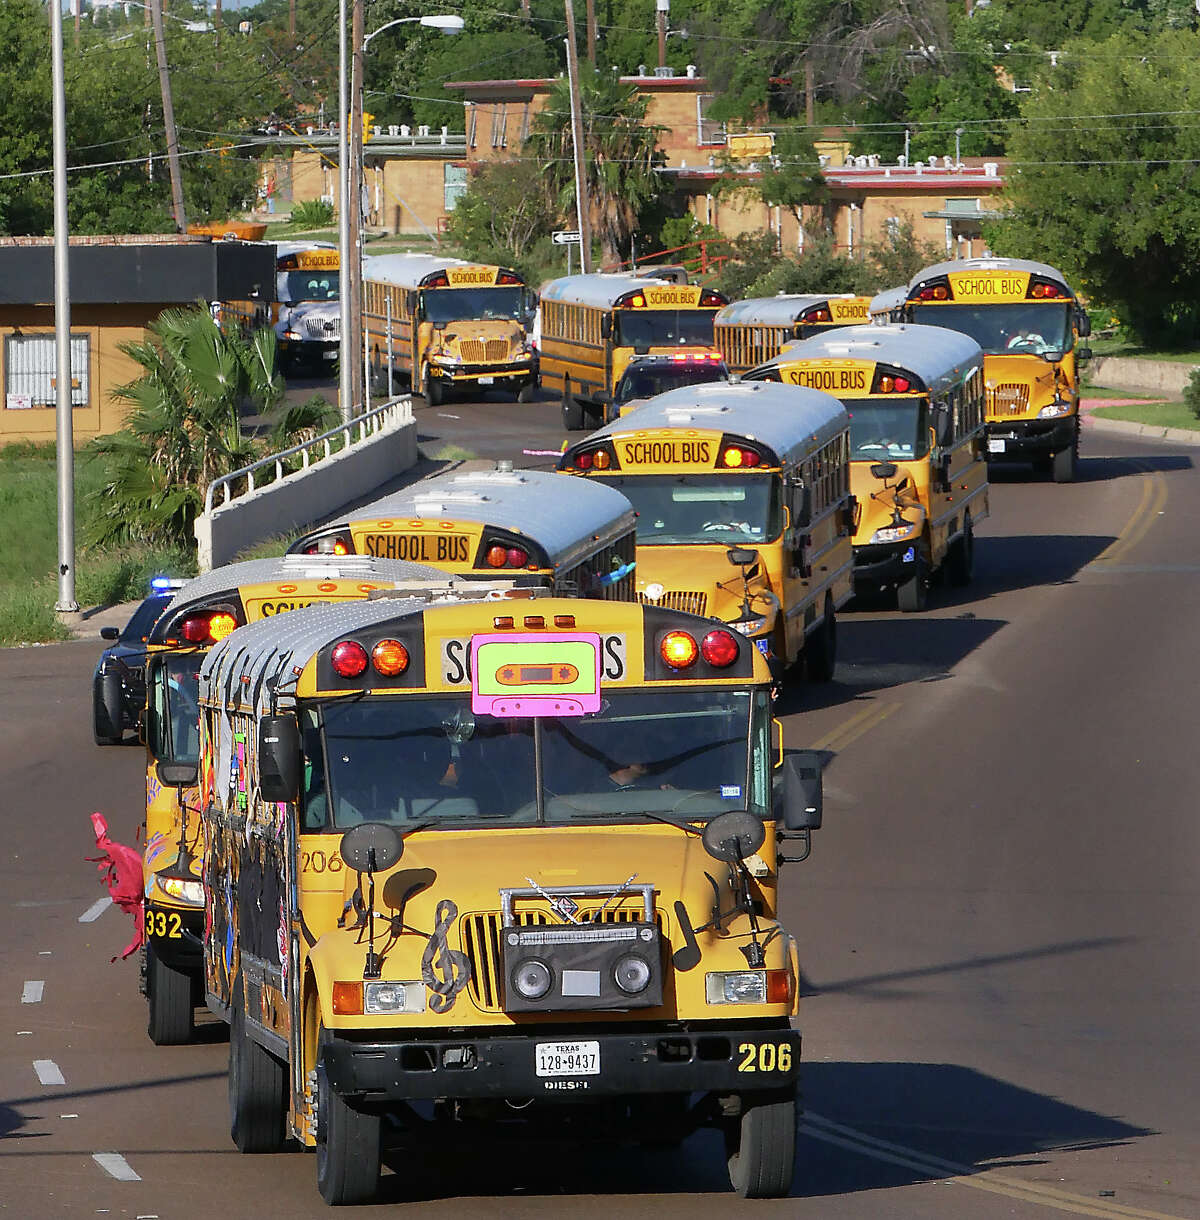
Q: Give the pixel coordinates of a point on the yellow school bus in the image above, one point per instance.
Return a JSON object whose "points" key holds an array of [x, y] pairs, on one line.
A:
{"points": [[202, 612], [527, 524], [748, 333], [483, 889], [1029, 323], [593, 326], [444, 325], [744, 510], [915, 398]]}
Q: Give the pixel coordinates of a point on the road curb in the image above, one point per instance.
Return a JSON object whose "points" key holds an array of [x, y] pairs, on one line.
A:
{"points": [[1146, 432]]}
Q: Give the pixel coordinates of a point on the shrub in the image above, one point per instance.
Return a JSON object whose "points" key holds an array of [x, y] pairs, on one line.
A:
{"points": [[1191, 393], [312, 214]]}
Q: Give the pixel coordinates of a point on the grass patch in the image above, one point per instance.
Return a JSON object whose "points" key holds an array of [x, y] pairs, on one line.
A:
{"points": [[1155, 414], [1096, 391], [29, 547], [1121, 347], [451, 453]]}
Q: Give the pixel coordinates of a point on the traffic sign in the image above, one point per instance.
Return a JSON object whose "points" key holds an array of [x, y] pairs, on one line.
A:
{"points": [[566, 237]]}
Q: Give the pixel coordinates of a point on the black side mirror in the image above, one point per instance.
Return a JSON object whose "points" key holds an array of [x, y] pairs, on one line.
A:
{"points": [[606, 327], [1083, 325], [803, 790], [883, 470], [1083, 353], [419, 311], [110, 633], [278, 758], [733, 836], [803, 513], [371, 847], [177, 775], [943, 473]]}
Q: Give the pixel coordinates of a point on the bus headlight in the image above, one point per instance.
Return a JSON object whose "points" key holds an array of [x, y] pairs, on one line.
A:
{"points": [[385, 997], [748, 987], [191, 892], [1055, 409], [895, 533]]}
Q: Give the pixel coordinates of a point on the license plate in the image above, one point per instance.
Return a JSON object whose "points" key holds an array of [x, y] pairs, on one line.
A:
{"points": [[567, 1058], [995, 446], [487, 380], [329, 355]]}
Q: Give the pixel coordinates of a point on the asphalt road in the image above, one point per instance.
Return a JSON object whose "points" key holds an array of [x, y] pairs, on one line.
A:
{"points": [[998, 922]]}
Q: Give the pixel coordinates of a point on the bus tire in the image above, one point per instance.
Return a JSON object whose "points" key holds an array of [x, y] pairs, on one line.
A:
{"points": [[257, 1091], [526, 392], [574, 419], [820, 648], [107, 730], [171, 1020], [348, 1147], [761, 1146], [1064, 467], [913, 595], [431, 389], [960, 562]]}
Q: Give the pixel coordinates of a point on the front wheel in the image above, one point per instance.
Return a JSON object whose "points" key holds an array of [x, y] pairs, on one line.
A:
{"points": [[761, 1147], [169, 995], [526, 392], [573, 417], [1065, 465], [913, 595], [257, 1092], [348, 1147], [431, 389], [960, 562], [106, 731], [820, 649]]}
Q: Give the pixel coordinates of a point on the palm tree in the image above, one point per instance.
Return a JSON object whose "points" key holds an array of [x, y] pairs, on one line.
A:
{"points": [[620, 155], [184, 427]]}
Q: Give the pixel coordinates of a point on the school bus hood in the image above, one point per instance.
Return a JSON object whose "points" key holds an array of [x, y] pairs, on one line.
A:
{"points": [[1018, 385], [875, 514], [471, 867], [698, 579]]}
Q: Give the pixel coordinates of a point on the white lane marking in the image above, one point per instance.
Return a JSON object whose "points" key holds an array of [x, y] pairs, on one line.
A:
{"points": [[48, 1072], [95, 910], [68, 1116], [31, 993], [116, 1166], [44, 953], [21, 1033]]}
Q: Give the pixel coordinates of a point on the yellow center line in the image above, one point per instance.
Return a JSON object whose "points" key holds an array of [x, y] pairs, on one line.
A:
{"points": [[1152, 502], [817, 1127], [852, 729]]}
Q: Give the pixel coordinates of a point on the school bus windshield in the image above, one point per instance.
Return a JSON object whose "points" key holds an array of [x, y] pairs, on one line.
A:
{"points": [[181, 694], [888, 429], [1018, 328], [432, 762], [663, 327], [444, 305], [309, 286], [729, 510]]}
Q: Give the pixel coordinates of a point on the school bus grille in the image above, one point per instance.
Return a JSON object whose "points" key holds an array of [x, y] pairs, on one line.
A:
{"points": [[690, 601], [483, 351], [1008, 399], [480, 935], [322, 328]]}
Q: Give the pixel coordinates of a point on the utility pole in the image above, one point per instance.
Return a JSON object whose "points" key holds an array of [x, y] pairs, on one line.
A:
{"points": [[351, 344], [591, 32], [662, 15], [809, 107], [345, 385], [217, 20], [292, 21], [64, 434], [582, 204], [164, 80]]}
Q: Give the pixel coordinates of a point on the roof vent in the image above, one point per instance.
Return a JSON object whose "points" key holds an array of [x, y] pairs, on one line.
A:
{"points": [[691, 71], [664, 71], [504, 465]]}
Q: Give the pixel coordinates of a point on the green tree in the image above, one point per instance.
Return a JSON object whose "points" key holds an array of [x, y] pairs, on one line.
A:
{"points": [[505, 216], [790, 178], [1114, 201], [620, 156], [757, 269], [898, 255], [184, 425], [25, 203]]}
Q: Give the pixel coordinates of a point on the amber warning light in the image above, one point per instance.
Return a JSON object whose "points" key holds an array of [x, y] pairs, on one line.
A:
{"points": [[553, 673]]}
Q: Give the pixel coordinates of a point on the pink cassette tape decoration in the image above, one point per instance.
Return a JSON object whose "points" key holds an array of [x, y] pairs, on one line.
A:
{"points": [[547, 673]]}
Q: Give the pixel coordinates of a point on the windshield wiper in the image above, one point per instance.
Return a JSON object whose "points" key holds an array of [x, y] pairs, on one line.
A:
{"points": [[586, 815]]}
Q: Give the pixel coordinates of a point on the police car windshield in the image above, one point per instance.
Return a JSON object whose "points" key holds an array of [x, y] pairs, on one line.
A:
{"points": [[889, 429], [1021, 328], [432, 762], [725, 509], [444, 305], [646, 382]]}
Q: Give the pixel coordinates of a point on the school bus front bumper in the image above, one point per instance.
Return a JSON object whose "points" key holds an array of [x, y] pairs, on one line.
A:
{"points": [[177, 934], [884, 565], [454, 370], [554, 1063], [1024, 440]]}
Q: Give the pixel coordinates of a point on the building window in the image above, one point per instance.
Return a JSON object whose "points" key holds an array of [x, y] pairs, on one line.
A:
{"points": [[711, 131], [30, 372], [500, 126], [455, 185]]}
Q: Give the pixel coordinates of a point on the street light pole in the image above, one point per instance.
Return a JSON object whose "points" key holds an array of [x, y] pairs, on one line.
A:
{"points": [[582, 210], [64, 435], [345, 385]]}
